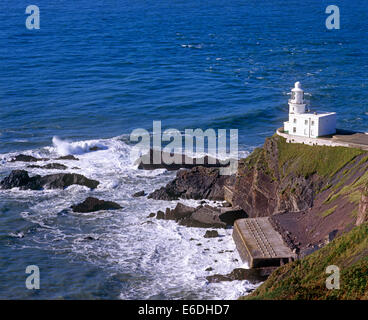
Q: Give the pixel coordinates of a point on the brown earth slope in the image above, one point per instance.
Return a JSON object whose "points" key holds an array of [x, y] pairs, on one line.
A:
{"points": [[311, 192]]}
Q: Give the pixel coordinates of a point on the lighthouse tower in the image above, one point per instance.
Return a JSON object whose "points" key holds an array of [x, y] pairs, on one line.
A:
{"points": [[297, 103]]}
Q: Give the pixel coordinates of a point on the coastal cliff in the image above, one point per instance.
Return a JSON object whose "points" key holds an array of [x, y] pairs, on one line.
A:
{"points": [[311, 193], [317, 198]]}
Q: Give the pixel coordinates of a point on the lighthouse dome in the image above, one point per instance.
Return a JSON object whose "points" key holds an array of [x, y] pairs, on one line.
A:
{"points": [[297, 87]]}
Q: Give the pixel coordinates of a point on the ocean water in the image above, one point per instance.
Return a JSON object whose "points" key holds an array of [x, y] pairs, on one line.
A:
{"points": [[97, 70]]}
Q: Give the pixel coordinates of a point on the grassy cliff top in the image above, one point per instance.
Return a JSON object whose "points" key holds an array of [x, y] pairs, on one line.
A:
{"points": [[306, 160], [305, 278], [301, 159]]}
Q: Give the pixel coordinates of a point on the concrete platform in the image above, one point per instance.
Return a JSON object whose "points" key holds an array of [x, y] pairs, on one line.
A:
{"points": [[260, 244], [342, 138]]}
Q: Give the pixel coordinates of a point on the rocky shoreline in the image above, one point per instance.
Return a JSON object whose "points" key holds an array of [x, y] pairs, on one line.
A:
{"points": [[308, 193]]}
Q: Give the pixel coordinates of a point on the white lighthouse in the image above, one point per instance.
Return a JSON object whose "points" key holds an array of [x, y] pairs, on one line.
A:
{"points": [[305, 123]]}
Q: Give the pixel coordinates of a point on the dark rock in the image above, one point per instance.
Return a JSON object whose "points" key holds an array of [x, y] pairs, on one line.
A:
{"points": [[21, 179], [209, 269], [93, 204], [204, 217], [68, 157], [139, 194], [89, 238], [331, 236], [167, 193], [57, 166], [230, 214], [160, 215], [211, 217], [26, 158], [197, 183], [64, 180], [211, 234], [226, 204], [181, 211], [146, 161], [252, 275], [151, 215]]}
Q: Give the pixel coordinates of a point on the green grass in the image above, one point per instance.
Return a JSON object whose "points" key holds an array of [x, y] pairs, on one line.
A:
{"points": [[326, 187], [352, 191], [305, 278], [257, 160], [328, 211], [355, 196], [364, 160], [306, 160]]}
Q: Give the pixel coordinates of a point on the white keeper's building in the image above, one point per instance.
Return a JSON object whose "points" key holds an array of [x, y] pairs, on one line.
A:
{"points": [[305, 123]]}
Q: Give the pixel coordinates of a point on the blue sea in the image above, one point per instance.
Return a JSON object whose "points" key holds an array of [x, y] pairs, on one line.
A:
{"points": [[95, 71]]}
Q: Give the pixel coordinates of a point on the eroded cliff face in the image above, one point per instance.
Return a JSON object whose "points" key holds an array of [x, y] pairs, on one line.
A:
{"points": [[263, 187], [312, 193], [363, 208]]}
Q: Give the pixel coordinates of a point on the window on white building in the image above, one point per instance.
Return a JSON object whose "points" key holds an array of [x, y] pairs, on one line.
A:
{"points": [[306, 122], [294, 120], [294, 129], [312, 123]]}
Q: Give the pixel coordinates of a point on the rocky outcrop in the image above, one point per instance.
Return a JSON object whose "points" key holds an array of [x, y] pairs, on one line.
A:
{"points": [[68, 157], [27, 158], [254, 275], [146, 161], [196, 183], [180, 212], [20, 179], [139, 194], [211, 234], [93, 204], [363, 208], [202, 216], [56, 166]]}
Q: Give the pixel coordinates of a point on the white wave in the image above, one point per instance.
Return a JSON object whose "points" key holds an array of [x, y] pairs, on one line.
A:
{"points": [[162, 253], [65, 147]]}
